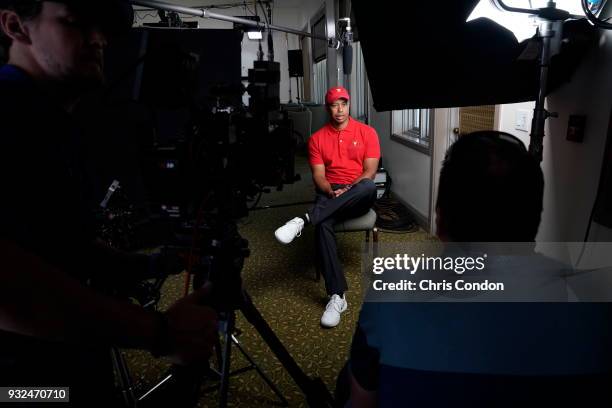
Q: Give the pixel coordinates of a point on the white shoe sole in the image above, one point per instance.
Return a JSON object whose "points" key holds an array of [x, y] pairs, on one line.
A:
{"points": [[280, 240]]}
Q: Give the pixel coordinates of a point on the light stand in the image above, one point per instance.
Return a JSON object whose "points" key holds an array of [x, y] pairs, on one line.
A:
{"points": [[546, 33], [290, 93], [550, 32]]}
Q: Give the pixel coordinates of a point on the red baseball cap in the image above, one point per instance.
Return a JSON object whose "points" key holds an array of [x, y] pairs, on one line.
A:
{"points": [[336, 93]]}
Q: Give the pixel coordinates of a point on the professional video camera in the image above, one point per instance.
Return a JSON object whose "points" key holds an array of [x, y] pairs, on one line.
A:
{"points": [[209, 157], [215, 253], [225, 147]]}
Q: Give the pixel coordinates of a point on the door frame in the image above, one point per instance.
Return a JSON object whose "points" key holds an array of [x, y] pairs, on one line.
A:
{"points": [[446, 120]]}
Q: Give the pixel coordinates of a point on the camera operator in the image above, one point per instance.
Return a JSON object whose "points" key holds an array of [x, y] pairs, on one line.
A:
{"points": [[54, 329]]}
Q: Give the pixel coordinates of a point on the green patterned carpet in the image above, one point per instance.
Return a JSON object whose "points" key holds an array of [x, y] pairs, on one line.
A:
{"points": [[281, 282]]}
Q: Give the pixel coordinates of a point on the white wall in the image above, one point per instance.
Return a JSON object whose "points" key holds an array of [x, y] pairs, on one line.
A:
{"points": [[507, 119], [571, 170], [308, 8], [409, 168]]}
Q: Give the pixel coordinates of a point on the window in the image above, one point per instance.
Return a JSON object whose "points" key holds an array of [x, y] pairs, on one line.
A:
{"points": [[359, 86], [320, 81], [319, 47], [412, 127]]}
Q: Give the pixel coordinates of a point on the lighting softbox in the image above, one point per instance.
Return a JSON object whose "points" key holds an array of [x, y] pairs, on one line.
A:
{"points": [[423, 54]]}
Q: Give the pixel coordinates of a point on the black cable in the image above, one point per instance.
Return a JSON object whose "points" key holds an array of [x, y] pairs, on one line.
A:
{"points": [[244, 3], [393, 216], [388, 184], [600, 186], [592, 18], [145, 16], [263, 10], [597, 196], [505, 7], [588, 231]]}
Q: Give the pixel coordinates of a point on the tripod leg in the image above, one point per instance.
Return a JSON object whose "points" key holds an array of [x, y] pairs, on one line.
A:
{"points": [[219, 355], [261, 373], [227, 350], [125, 380], [315, 391]]}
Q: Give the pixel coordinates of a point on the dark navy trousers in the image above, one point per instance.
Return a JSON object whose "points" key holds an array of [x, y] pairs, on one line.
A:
{"points": [[329, 211]]}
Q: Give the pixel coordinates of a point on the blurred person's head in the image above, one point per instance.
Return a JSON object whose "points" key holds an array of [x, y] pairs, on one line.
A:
{"points": [[62, 40], [491, 190]]}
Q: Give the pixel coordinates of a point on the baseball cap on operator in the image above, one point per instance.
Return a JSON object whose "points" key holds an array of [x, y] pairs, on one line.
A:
{"points": [[335, 93], [114, 17]]}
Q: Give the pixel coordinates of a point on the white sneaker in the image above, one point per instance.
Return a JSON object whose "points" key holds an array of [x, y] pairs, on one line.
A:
{"points": [[289, 231], [335, 306]]}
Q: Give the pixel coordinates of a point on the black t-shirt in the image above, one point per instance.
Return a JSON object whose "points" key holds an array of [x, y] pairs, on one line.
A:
{"points": [[43, 205], [43, 210]]}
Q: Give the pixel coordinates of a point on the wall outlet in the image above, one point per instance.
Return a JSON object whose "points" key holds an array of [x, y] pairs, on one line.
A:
{"points": [[522, 120]]}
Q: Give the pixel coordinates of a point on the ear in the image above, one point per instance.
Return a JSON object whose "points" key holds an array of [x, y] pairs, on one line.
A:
{"points": [[12, 25]]}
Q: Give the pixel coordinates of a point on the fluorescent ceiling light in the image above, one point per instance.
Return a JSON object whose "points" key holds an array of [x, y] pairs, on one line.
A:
{"points": [[523, 25], [254, 35]]}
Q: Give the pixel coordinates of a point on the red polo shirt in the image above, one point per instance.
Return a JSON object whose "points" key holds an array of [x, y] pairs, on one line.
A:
{"points": [[343, 151]]}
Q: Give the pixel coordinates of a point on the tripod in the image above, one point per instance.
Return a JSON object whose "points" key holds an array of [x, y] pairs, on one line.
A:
{"points": [[190, 378], [228, 327], [317, 395]]}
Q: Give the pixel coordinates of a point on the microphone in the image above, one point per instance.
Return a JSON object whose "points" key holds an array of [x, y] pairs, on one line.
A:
{"points": [[347, 58], [347, 49]]}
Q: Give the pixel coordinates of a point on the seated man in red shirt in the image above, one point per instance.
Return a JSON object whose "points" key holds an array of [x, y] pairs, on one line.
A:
{"points": [[344, 157]]}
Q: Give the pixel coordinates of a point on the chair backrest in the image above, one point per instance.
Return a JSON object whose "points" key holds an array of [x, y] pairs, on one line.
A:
{"points": [[302, 124], [319, 116]]}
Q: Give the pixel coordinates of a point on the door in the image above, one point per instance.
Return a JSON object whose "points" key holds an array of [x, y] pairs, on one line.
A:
{"points": [[446, 129], [451, 123]]}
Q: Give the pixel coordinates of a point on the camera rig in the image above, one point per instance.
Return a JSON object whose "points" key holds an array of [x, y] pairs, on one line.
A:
{"points": [[231, 150], [216, 252]]}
